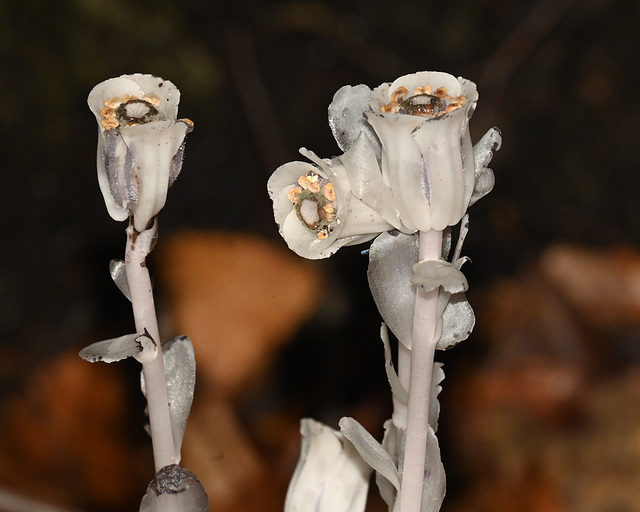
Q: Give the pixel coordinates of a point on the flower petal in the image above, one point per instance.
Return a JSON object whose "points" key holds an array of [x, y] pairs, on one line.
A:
{"points": [[403, 169], [112, 88], [330, 475], [346, 117], [137, 85], [441, 155], [110, 161], [434, 79], [366, 182], [153, 147], [165, 90]]}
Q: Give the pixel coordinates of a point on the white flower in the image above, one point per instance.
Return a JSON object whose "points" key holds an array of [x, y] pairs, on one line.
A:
{"points": [[315, 208], [330, 475], [140, 144], [427, 157]]}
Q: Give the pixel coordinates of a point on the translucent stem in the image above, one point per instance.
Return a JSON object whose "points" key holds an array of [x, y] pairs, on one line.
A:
{"points": [[423, 344], [139, 245]]}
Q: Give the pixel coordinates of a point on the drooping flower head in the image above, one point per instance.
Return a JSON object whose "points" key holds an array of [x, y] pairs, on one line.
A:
{"points": [[140, 144], [315, 208]]}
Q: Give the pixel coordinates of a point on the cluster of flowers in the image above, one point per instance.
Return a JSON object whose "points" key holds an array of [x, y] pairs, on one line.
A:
{"points": [[408, 167]]}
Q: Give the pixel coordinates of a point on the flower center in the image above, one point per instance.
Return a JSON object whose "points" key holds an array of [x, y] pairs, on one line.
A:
{"points": [[314, 203], [424, 102], [129, 111]]}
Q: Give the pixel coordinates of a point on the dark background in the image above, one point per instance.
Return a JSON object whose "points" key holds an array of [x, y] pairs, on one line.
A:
{"points": [[558, 77]]}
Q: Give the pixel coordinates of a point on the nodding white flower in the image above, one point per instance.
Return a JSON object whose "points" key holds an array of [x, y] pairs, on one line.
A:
{"points": [[140, 144], [427, 157], [314, 206]]}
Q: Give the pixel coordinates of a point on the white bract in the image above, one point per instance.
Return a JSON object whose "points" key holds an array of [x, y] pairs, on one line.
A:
{"points": [[140, 144]]}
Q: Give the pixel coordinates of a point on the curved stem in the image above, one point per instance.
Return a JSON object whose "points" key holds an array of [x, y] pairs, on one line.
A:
{"points": [[423, 344], [139, 245]]}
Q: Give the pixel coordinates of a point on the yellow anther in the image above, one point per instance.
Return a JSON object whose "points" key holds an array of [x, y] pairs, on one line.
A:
{"points": [[113, 103], [425, 89], [323, 234], [399, 94], [110, 122], [441, 92], [329, 192], [149, 98], [293, 194], [313, 186], [108, 112]]}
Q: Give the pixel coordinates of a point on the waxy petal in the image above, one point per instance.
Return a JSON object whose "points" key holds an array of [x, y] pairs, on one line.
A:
{"points": [[152, 148], [330, 475], [346, 117], [137, 85]]}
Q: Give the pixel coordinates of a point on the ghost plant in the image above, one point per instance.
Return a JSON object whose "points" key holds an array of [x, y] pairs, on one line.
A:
{"points": [[408, 173], [140, 149]]}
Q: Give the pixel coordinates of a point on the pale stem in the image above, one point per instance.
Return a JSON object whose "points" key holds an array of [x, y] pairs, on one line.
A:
{"points": [[423, 344], [139, 245]]}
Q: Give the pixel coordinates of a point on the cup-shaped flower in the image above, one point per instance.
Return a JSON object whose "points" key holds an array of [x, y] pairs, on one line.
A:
{"points": [[427, 158], [315, 208], [140, 144]]}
